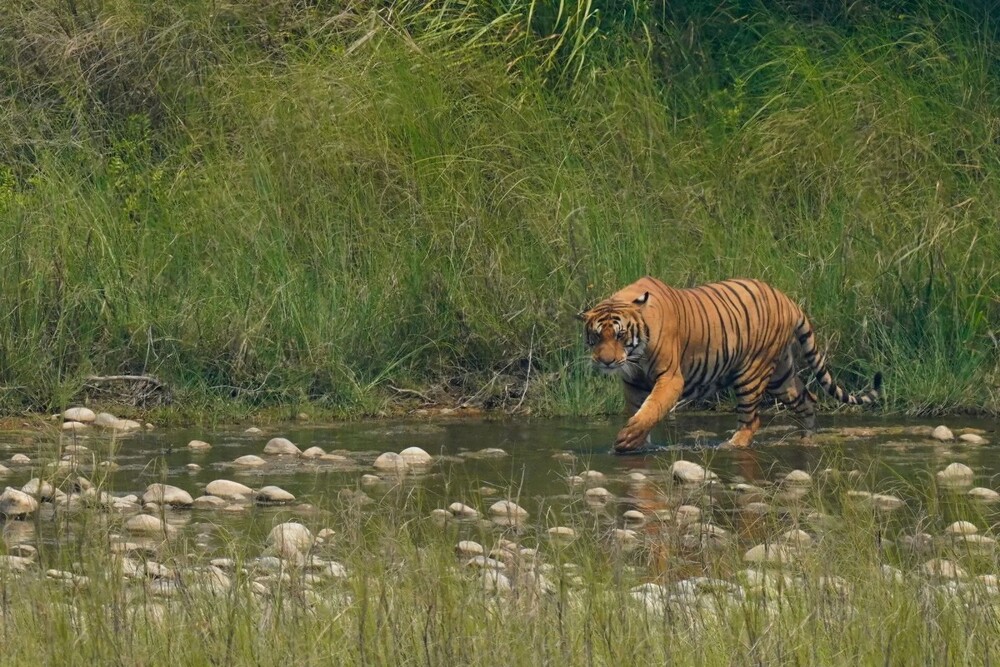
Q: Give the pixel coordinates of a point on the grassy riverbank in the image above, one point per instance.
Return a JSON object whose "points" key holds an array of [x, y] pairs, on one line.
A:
{"points": [[269, 205]]}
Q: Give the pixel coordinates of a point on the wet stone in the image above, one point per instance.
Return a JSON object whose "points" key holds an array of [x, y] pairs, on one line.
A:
{"points": [[146, 524], [15, 503], [415, 456], [973, 439], [313, 453], [942, 433], [391, 462], [209, 502], [272, 495], [249, 461], [79, 414], [984, 495], [691, 473], [942, 569], [281, 447], [224, 488], [956, 474], [961, 528], [165, 494], [198, 445], [20, 459], [463, 511]]}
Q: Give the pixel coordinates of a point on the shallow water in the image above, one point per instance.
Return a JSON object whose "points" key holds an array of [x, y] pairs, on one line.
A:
{"points": [[541, 454]]}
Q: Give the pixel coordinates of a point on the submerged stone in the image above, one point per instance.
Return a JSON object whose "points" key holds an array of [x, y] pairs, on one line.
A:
{"points": [[391, 462], [224, 488], [250, 461], [956, 474], [415, 456], [942, 433], [281, 447], [973, 439], [198, 445], [272, 495], [690, 472], [165, 494], [15, 503]]}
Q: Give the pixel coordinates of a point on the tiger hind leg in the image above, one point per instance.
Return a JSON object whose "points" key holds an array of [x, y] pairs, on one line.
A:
{"points": [[788, 388]]}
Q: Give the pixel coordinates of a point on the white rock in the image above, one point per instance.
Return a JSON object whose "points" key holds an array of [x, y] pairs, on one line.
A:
{"points": [[885, 502], [634, 517], [253, 430], [626, 538], [486, 562], [20, 459], [224, 488], [945, 569], [984, 495], [105, 420], [942, 433], [507, 510], [796, 538], [973, 439], [800, 477], [415, 456], [209, 502], [686, 514], [165, 494], [145, 524], [250, 461], [313, 453], [391, 462], [281, 447], [38, 489], [562, 534], [290, 539], [198, 445], [85, 415], [74, 426], [462, 510], [273, 495], [598, 494], [193, 467], [468, 549], [4, 470], [593, 476], [14, 503], [691, 473], [770, 553], [961, 528], [956, 473], [495, 582]]}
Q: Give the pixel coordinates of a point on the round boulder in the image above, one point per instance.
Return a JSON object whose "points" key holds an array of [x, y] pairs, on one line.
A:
{"points": [[165, 494], [415, 456], [14, 503], [691, 473], [290, 539], [250, 461], [391, 462], [281, 447], [79, 414], [145, 524], [942, 433], [956, 474], [272, 495], [198, 445], [224, 488]]}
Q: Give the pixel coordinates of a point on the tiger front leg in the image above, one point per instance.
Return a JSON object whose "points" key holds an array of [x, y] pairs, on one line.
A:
{"points": [[655, 407]]}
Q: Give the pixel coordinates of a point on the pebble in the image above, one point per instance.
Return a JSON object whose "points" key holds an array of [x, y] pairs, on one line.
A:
{"points": [[942, 433], [14, 503], [391, 462], [961, 528], [198, 445], [956, 473], [415, 456], [800, 477], [165, 494], [281, 447], [942, 568], [250, 461], [272, 495], [224, 488], [253, 430], [691, 473], [984, 495], [290, 539], [462, 510], [313, 453], [79, 414], [145, 524], [193, 467]]}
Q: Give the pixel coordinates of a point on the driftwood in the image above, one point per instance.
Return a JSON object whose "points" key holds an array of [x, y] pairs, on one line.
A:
{"points": [[135, 390]]}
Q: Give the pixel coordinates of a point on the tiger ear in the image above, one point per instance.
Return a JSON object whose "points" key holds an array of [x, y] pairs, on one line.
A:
{"points": [[641, 301]]}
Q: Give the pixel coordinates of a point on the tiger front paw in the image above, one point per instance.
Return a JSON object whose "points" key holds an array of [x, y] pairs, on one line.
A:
{"points": [[635, 434]]}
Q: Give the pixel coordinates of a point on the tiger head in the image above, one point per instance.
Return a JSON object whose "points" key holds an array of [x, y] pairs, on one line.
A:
{"points": [[616, 334]]}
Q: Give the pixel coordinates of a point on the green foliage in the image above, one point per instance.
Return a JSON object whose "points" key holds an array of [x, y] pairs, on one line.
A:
{"points": [[285, 202]]}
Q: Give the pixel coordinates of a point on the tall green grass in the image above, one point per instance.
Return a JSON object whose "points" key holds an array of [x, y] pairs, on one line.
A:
{"points": [[282, 204]]}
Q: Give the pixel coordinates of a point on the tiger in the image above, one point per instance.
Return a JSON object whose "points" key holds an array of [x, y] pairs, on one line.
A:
{"points": [[668, 345]]}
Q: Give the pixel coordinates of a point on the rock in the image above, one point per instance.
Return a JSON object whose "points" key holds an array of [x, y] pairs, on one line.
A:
{"points": [[272, 495], [626, 538], [193, 467], [488, 453], [209, 502], [441, 517], [686, 514], [198, 445], [165, 494], [943, 569], [779, 554], [74, 426], [507, 512], [961, 528], [39, 490], [593, 477], [496, 582], [798, 477], [973, 439], [105, 420], [486, 562], [391, 462], [85, 415], [223, 488], [956, 474], [146, 524], [14, 503], [983, 495], [464, 511], [250, 461], [20, 459], [796, 538], [575, 481], [980, 545], [370, 480], [4, 470], [942, 433], [281, 447], [334, 458], [16, 563], [634, 517], [598, 494], [313, 453], [691, 473], [636, 477], [919, 543], [290, 539], [253, 430], [885, 502], [468, 549], [561, 534], [415, 456]]}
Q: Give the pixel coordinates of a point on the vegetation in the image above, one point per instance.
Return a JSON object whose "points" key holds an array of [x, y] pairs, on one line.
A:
{"points": [[314, 202], [605, 598]]}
